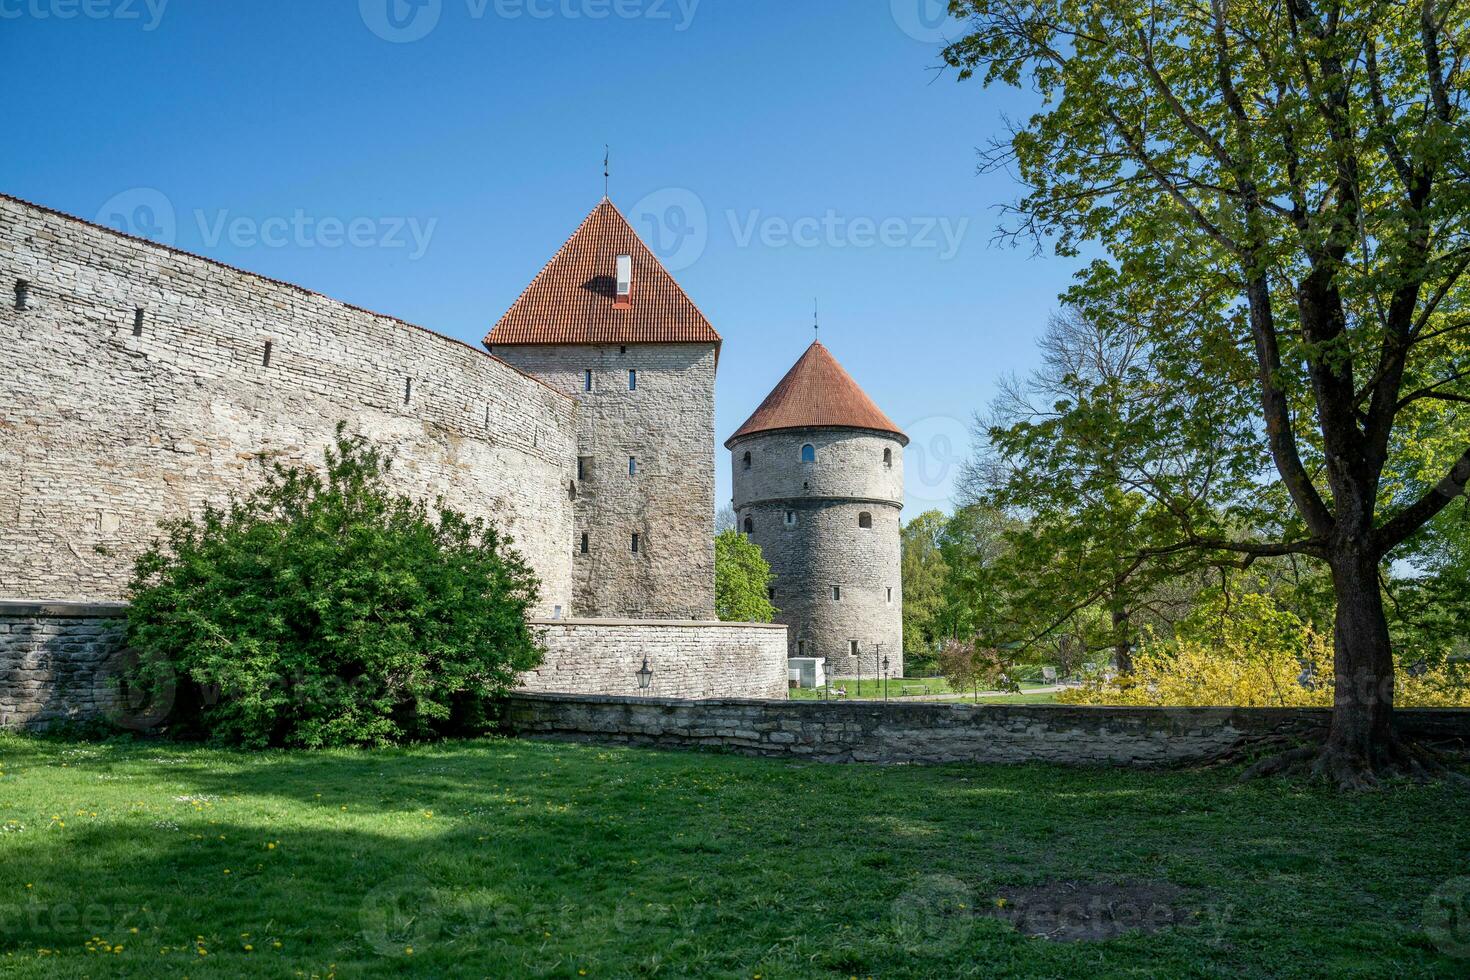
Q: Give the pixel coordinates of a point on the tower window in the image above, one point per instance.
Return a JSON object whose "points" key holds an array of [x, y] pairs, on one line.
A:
{"points": [[623, 349], [22, 294], [791, 518], [747, 460], [587, 380], [888, 459], [632, 465], [808, 453], [771, 593], [635, 542], [265, 358], [749, 526], [852, 648], [836, 593], [583, 464], [890, 594], [583, 545], [632, 379], [407, 390], [865, 520], [138, 322], [801, 648]]}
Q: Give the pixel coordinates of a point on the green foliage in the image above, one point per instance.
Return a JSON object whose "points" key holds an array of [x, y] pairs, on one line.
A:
{"points": [[1281, 194], [968, 666], [742, 580], [925, 575], [321, 610]]}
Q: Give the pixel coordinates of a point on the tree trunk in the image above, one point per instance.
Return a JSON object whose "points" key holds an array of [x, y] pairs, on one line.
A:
{"points": [[1122, 637], [1362, 717]]}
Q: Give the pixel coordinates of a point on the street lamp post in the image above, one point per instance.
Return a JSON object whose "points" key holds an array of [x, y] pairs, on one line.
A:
{"points": [[885, 679]]}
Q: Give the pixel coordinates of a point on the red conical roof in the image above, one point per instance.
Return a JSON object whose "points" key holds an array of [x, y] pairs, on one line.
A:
{"points": [[571, 300], [817, 393]]}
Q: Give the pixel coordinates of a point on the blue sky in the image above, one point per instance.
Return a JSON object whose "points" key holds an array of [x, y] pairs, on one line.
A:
{"points": [[424, 159]]}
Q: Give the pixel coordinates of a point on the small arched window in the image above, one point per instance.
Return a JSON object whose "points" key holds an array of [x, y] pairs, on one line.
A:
{"points": [[865, 520], [749, 526], [747, 460], [888, 459], [808, 453]]}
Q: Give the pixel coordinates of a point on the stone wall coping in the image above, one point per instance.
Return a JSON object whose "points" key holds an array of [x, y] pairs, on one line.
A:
{"points": [[676, 623], [900, 708], [62, 608]]}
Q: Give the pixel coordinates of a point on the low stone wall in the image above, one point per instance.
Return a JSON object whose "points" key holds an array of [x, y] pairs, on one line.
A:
{"points": [[835, 731], [689, 659], [57, 660]]}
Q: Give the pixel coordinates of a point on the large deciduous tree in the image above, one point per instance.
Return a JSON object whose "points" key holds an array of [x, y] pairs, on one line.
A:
{"points": [[1296, 173]]}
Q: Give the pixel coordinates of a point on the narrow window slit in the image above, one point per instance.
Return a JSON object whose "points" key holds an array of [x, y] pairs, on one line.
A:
{"points": [[265, 358], [22, 295], [407, 389], [138, 322]]}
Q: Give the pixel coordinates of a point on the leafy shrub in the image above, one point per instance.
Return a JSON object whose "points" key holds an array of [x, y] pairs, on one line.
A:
{"points": [[742, 580], [321, 610], [1250, 653], [968, 666]]}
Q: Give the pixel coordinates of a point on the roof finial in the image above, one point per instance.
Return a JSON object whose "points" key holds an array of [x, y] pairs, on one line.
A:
{"points": [[816, 323], [606, 170]]}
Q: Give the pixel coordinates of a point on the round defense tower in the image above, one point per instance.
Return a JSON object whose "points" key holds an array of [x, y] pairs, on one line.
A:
{"points": [[818, 485]]}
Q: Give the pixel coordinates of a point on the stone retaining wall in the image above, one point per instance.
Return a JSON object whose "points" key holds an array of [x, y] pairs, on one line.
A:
{"points": [[59, 662], [689, 659], [931, 732], [56, 662]]}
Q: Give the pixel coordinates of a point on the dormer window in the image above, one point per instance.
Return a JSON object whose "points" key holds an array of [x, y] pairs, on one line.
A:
{"points": [[624, 295]]}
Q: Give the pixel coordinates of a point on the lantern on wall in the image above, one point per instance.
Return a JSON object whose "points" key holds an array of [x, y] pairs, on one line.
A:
{"points": [[645, 676]]}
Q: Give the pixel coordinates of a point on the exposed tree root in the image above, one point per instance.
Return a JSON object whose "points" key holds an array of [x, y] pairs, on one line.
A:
{"points": [[1397, 758]]}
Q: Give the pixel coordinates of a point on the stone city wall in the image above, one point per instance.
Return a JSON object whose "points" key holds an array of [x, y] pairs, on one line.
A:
{"points": [[141, 382], [57, 661], [836, 731], [704, 659]]}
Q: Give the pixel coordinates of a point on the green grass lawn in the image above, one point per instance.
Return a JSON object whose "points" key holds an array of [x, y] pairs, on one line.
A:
{"points": [[526, 859]]}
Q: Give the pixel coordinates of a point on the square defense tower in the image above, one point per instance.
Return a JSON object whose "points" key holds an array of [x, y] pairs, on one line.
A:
{"points": [[607, 324]]}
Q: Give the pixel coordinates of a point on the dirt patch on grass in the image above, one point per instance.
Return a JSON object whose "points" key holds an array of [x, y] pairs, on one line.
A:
{"points": [[1077, 911]]}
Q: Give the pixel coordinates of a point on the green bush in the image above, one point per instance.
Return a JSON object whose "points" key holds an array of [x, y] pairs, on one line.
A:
{"points": [[321, 610], [742, 580]]}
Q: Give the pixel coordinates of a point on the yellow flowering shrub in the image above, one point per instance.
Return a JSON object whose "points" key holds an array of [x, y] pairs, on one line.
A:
{"points": [[1252, 654]]}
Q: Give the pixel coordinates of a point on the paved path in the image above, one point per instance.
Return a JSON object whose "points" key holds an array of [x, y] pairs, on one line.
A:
{"points": [[893, 695]]}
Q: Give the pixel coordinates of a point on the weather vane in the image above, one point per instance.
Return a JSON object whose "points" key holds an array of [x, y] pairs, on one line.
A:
{"points": [[606, 170], [816, 324]]}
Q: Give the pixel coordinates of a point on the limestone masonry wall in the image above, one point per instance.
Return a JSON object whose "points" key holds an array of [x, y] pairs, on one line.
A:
{"points": [[137, 386], [805, 518], [56, 662], [836, 731], [689, 659], [59, 661], [667, 424]]}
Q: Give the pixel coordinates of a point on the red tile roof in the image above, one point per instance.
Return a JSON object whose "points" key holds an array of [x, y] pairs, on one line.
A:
{"points": [[816, 393], [571, 300]]}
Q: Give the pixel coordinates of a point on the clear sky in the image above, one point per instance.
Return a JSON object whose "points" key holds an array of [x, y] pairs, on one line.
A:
{"points": [[424, 158]]}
